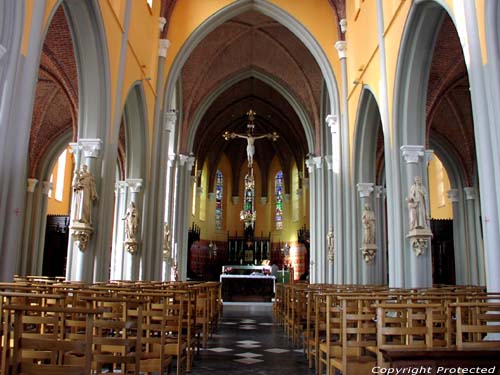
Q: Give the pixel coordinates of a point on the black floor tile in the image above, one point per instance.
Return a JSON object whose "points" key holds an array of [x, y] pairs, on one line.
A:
{"points": [[249, 342]]}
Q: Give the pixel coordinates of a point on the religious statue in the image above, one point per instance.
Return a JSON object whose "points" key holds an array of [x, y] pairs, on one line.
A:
{"points": [[331, 245], [84, 190], [417, 205], [166, 242], [368, 220], [250, 137], [131, 219]]}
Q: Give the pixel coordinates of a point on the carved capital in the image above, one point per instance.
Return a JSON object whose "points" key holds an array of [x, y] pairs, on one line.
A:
{"points": [[379, 191], [235, 199], [170, 119], [91, 147], [171, 160], [263, 200], [429, 155], [310, 164], [135, 184], [343, 25], [32, 184], [163, 45], [161, 23], [470, 193], [318, 161], [187, 160], [46, 187], [453, 195], [341, 47], [329, 162], [333, 123], [412, 153], [365, 189], [120, 186]]}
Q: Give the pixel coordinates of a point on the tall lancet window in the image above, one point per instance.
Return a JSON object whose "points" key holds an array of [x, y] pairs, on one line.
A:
{"points": [[219, 190], [278, 189]]}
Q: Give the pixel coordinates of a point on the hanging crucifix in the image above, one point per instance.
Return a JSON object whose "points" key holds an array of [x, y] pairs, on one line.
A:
{"points": [[247, 215], [250, 137]]}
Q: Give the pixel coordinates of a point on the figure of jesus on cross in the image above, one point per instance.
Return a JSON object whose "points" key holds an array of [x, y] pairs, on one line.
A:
{"points": [[250, 137]]}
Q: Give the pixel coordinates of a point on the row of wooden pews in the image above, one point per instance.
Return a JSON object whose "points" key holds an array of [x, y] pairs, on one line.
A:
{"points": [[354, 328], [56, 327]]}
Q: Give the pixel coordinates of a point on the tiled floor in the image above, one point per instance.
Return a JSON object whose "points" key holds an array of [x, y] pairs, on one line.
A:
{"points": [[249, 342]]}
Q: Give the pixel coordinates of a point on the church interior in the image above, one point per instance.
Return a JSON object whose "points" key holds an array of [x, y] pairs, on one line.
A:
{"points": [[223, 174]]}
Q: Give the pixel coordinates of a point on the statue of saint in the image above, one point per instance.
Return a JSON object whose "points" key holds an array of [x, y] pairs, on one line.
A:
{"points": [[131, 219], [417, 205], [330, 241], [368, 220], [166, 242], [84, 191]]}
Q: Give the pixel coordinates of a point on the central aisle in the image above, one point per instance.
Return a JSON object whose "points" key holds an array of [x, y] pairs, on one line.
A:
{"points": [[249, 342]]}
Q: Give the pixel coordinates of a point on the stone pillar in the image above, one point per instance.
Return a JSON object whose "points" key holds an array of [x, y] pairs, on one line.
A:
{"points": [[40, 226], [472, 258], [380, 236], [26, 256], [118, 232], [338, 223], [459, 240], [347, 191], [169, 218], [313, 205], [321, 212], [418, 257], [330, 247], [183, 188], [80, 261], [132, 253], [368, 246]]}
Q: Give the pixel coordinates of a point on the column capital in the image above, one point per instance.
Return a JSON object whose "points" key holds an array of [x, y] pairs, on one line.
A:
{"points": [[161, 23], [135, 184], [187, 160], [310, 164], [329, 162], [170, 119], [211, 196], [429, 155], [318, 161], [120, 185], [379, 191], [333, 122], [171, 160], [341, 47], [470, 193], [91, 147], [453, 195], [31, 184], [46, 186], [343, 25], [412, 153], [365, 189], [163, 45]]}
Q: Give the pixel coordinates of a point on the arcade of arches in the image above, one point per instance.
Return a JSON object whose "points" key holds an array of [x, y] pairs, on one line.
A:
{"points": [[114, 163]]}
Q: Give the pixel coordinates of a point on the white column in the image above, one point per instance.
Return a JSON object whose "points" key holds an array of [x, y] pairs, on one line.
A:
{"points": [[462, 261], [321, 222], [26, 256], [313, 203], [40, 226], [118, 231], [470, 197], [329, 199], [380, 236], [418, 260], [81, 262]]}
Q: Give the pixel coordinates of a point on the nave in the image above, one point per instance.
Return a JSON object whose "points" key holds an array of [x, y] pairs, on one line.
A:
{"points": [[250, 341]]}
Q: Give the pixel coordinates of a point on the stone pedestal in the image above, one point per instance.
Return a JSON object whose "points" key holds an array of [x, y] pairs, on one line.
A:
{"points": [[80, 233], [420, 240], [368, 251]]}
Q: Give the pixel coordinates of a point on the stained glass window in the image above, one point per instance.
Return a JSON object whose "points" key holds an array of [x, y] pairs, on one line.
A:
{"points": [[278, 187], [219, 186]]}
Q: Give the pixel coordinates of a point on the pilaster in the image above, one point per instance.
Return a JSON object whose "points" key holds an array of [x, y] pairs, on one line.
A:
{"points": [[367, 233], [470, 200]]}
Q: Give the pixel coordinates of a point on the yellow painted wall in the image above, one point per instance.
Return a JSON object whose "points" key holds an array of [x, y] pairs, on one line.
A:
{"points": [[439, 184], [55, 207]]}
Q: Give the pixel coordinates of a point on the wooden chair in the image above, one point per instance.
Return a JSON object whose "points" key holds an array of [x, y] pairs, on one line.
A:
{"points": [[477, 325], [358, 333], [41, 344]]}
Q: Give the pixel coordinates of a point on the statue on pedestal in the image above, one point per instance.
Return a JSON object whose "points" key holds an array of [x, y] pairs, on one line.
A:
{"points": [[368, 220], [418, 212], [84, 192], [131, 219], [166, 243]]}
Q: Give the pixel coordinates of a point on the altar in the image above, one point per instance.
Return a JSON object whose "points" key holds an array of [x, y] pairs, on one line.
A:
{"points": [[247, 284]]}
